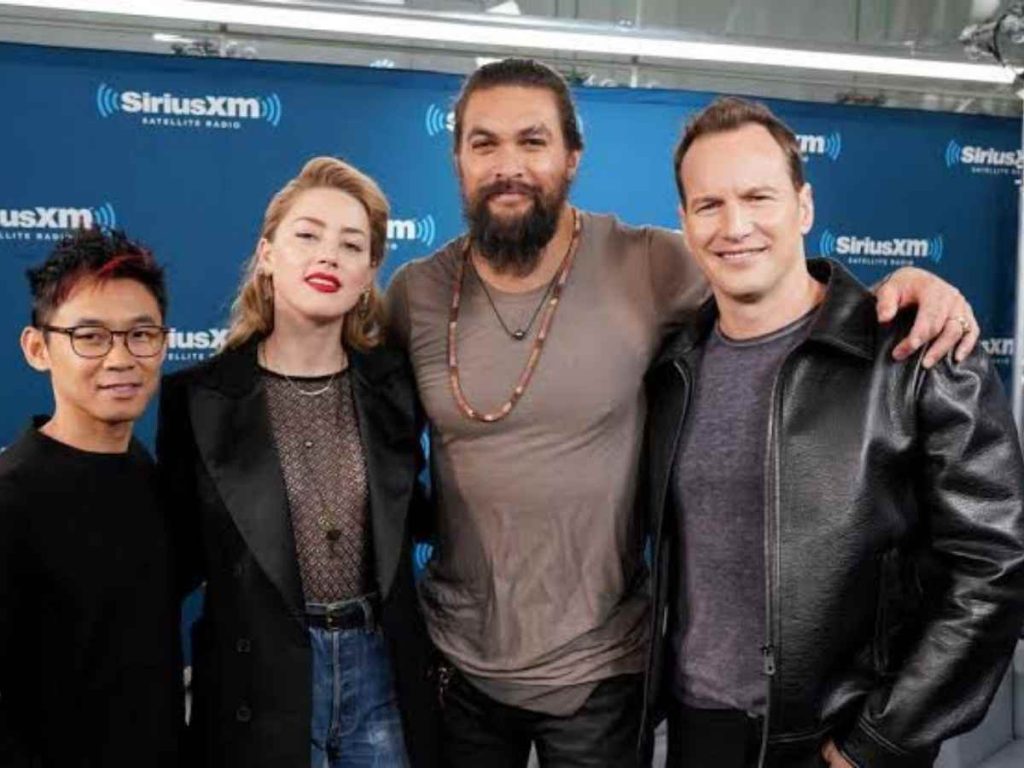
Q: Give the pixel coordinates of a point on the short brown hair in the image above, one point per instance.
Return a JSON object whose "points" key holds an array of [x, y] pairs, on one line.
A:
{"points": [[728, 113], [252, 312], [525, 73]]}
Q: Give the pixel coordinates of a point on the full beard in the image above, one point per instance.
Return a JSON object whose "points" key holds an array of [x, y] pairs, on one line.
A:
{"points": [[513, 244]]}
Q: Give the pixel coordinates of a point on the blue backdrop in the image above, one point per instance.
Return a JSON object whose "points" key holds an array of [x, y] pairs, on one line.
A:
{"points": [[184, 153]]}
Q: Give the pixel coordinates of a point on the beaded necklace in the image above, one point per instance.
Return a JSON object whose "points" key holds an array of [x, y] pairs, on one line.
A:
{"points": [[538, 343]]}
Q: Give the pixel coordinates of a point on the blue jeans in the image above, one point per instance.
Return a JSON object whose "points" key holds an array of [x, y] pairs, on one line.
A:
{"points": [[356, 723]]}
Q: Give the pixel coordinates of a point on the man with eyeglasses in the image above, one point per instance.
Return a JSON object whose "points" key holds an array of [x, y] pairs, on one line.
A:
{"points": [[89, 653]]}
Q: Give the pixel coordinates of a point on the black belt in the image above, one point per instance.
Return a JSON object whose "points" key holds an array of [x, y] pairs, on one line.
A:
{"points": [[357, 613]]}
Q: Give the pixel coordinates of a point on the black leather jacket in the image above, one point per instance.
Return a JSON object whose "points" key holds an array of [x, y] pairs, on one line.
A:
{"points": [[894, 536]]}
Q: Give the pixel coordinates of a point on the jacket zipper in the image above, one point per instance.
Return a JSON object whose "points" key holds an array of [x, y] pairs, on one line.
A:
{"points": [[768, 650]]}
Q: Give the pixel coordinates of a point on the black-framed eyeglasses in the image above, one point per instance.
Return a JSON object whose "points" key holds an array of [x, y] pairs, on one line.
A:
{"points": [[93, 341]]}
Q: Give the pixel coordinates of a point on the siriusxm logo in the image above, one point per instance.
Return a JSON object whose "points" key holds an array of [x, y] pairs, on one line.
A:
{"points": [[42, 217], [830, 146], [421, 554], [905, 247], [216, 111], [192, 346], [422, 230], [438, 121], [211, 338], [998, 347], [985, 159]]}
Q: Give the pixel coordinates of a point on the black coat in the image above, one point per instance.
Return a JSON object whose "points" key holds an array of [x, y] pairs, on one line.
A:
{"points": [[894, 535], [252, 665]]}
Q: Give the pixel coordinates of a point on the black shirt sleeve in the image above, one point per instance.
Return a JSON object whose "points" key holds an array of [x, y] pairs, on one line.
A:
{"points": [[14, 751], [176, 459]]}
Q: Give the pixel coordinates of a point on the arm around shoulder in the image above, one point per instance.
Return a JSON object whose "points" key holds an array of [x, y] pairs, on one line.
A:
{"points": [[677, 282]]}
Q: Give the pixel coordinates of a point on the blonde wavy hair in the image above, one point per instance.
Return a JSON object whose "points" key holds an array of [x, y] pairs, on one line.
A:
{"points": [[252, 311]]}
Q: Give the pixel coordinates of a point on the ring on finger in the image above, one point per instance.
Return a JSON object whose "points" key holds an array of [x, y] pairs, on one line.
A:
{"points": [[962, 321]]}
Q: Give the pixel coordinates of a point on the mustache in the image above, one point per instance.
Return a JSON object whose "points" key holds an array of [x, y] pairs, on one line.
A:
{"points": [[512, 244], [504, 186]]}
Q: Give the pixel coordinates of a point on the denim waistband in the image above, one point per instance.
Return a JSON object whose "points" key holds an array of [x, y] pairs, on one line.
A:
{"points": [[355, 613]]}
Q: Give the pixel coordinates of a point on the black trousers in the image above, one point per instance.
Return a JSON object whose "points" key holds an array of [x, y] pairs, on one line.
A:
{"points": [[726, 738], [480, 732]]}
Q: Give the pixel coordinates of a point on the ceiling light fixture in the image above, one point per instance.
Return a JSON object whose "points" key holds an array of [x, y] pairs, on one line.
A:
{"points": [[502, 33]]}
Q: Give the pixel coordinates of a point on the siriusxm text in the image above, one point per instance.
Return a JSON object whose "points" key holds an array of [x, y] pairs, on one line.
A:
{"points": [[212, 338], [991, 156], [46, 218], [867, 246], [204, 106]]}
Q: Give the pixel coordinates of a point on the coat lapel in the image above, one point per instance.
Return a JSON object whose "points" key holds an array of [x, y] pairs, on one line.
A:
{"points": [[384, 410], [232, 428]]}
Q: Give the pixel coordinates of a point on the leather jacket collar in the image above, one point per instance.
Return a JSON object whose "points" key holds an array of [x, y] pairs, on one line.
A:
{"points": [[845, 320]]}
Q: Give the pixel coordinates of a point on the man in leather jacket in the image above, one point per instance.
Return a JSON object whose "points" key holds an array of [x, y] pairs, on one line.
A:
{"points": [[839, 537]]}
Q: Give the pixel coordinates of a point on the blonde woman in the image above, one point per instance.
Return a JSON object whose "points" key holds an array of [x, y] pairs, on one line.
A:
{"points": [[290, 460]]}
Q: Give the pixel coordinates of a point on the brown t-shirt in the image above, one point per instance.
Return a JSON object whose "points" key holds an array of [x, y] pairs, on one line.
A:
{"points": [[538, 590]]}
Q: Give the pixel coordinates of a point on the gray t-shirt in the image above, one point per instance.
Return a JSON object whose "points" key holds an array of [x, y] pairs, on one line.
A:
{"points": [[537, 589], [718, 496]]}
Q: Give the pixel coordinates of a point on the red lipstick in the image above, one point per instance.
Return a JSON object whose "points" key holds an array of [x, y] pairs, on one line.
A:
{"points": [[321, 281]]}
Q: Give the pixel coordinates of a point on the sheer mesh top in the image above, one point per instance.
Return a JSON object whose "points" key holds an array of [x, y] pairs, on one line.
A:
{"points": [[321, 455]]}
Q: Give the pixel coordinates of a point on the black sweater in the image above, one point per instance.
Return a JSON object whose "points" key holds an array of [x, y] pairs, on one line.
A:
{"points": [[89, 641]]}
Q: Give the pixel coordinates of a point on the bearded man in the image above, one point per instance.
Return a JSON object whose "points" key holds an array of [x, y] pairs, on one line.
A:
{"points": [[529, 337]]}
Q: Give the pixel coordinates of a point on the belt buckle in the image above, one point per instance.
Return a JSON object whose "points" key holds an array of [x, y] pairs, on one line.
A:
{"points": [[351, 614]]}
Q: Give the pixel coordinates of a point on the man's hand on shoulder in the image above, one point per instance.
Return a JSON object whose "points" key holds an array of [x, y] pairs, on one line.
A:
{"points": [[944, 317]]}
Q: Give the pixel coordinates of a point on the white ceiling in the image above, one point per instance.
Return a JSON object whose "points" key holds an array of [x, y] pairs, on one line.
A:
{"points": [[923, 27]]}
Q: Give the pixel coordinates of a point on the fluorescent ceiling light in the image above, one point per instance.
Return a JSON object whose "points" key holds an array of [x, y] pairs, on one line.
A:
{"points": [[510, 8], [162, 37], [495, 33]]}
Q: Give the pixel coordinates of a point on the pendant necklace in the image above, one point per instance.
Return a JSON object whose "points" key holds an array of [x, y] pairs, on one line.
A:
{"points": [[555, 289]]}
